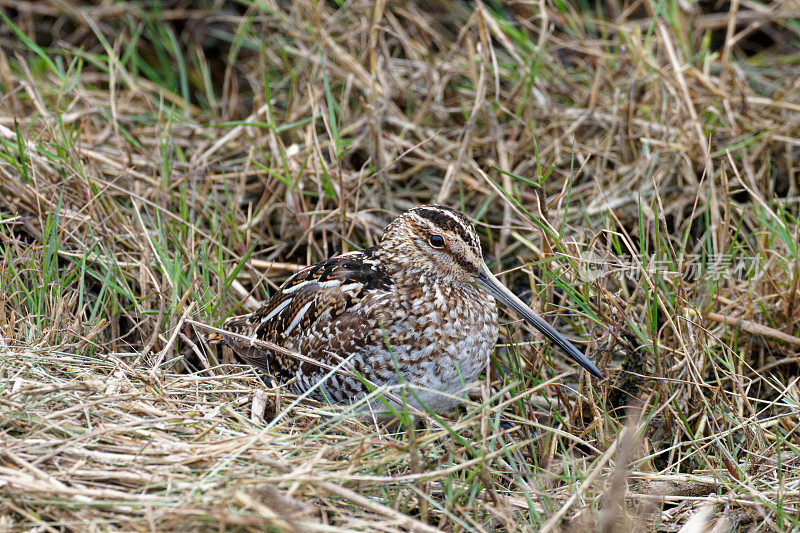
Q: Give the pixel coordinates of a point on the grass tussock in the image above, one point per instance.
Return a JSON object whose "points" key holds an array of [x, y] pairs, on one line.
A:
{"points": [[633, 169]]}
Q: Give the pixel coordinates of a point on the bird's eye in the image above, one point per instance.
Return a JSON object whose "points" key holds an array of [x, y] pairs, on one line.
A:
{"points": [[437, 241]]}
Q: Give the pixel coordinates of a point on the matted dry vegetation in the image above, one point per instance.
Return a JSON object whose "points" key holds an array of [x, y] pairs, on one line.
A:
{"points": [[632, 167]]}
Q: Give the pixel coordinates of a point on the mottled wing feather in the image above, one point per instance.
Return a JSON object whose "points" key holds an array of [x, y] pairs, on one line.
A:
{"points": [[319, 312]]}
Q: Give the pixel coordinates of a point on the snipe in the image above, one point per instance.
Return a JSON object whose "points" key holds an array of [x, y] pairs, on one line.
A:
{"points": [[417, 310]]}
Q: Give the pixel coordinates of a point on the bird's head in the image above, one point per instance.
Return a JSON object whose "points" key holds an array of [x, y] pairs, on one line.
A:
{"points": [[442, 244]]}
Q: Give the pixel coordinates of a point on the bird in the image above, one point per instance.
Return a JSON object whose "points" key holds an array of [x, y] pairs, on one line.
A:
{"points": [[415, 314]]}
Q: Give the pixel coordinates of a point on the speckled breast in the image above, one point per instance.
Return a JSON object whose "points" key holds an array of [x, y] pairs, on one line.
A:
{"points": [[436, 340], [459, 325]]}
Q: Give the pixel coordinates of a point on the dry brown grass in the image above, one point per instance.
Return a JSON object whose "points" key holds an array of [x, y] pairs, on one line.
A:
{"points": [[163, 165]]}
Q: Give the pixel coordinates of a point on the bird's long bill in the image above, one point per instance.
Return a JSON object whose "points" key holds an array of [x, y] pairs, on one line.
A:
{"points": [[499, 291]]}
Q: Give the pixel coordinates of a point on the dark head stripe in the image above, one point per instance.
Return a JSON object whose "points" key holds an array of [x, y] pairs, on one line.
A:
{"points": [[450, 220]]}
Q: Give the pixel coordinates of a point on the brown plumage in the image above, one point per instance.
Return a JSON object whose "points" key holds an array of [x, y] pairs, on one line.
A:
{"points": [[415, 312]]}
